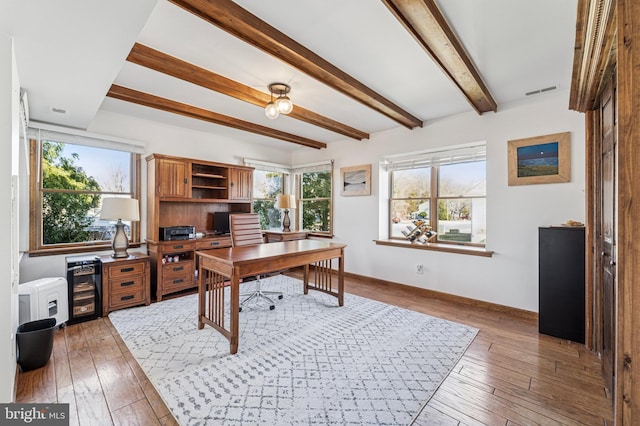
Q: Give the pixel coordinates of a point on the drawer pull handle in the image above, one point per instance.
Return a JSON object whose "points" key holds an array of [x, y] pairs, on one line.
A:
{"points": [[178, 246], [129, 297], [215, 243], [181, 280], [178, 268], [127, 283], [126, 269]]}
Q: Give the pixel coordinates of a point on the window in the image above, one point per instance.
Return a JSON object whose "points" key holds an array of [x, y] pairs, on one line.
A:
{"points": [[316, 203], [67, 184], [266, 186], [447, 189]]}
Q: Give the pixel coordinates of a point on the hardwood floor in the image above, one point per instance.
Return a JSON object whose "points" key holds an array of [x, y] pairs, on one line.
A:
{"points": [[510, 374]]}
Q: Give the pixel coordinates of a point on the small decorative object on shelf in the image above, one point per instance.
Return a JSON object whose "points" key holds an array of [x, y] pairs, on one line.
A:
{"points": [[420, 233]]}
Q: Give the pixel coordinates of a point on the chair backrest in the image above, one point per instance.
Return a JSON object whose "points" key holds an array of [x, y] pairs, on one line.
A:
{"points": [[245, 229]]}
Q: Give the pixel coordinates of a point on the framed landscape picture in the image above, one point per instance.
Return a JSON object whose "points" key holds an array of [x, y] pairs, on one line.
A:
{"points": [[541, 159], [356, 180]]}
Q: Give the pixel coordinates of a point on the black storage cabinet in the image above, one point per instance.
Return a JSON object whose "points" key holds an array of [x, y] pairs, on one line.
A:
{"points": [[561, 282]]}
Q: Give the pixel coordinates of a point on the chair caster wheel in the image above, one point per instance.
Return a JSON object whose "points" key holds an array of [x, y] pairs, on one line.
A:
{"points": [[280, 297], [272, 307]]}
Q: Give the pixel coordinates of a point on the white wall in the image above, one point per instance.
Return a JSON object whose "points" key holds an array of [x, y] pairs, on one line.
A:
{"points": [[158, 138], [9, 134], [513, 213]]}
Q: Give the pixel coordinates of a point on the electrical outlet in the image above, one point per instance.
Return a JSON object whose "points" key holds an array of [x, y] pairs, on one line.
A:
{"points": [[419, 269]]}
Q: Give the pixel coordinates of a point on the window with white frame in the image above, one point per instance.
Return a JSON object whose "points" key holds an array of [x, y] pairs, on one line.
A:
{"points": [[313, 209], [266, 186], [70, 175], [269, 181], [315, 204], [445, 188]]}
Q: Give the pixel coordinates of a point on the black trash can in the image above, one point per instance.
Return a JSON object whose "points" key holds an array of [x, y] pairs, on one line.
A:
{"points": [[35, 342]]}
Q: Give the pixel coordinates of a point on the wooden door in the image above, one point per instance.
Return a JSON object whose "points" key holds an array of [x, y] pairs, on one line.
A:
{"points": [[240, 184], [606, 273], [172, 178]]}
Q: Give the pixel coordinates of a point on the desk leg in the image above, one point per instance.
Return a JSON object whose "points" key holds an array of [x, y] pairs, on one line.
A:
{"points": [[341, 279], [201, 297], [235, 313], [306, 279]]}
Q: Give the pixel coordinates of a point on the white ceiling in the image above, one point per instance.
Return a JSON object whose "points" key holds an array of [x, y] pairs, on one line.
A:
{"points": [[70, 52]]}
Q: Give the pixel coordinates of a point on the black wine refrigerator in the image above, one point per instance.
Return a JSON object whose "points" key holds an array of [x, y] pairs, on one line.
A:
{"points": [[84, 281]]}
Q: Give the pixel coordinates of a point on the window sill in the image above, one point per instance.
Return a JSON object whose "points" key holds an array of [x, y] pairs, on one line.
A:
{"points": [[447, 248], [74, 250]]}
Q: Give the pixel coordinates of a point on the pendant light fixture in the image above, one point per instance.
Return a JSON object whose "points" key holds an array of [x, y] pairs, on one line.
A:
{"points": [[282, 104], [271, 110]]}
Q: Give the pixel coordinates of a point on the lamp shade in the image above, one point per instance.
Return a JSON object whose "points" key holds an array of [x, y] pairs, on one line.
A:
{"points": [[285, 201], [271, 111], [120, 208], [284, 104]]}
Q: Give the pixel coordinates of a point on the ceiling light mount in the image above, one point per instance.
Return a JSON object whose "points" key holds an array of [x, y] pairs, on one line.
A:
{"points": [[282, 105]]}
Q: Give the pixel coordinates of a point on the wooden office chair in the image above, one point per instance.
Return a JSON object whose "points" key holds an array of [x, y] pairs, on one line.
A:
{"points": [[245, 230]]}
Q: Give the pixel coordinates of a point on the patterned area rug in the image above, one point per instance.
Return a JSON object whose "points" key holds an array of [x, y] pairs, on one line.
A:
{"points": [[306, 362]]}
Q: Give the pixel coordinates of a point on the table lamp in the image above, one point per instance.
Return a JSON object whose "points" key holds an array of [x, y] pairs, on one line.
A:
{"points": [[286, 202], [120, 209]]}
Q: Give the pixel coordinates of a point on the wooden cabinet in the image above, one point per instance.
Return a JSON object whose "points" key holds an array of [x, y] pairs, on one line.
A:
{"points": [[561, 311], [173, 266], [187, 192], [125, 282], [240, 184], [173, 263], [172, 179]]}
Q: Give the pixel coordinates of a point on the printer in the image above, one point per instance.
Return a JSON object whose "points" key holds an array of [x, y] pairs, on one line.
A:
{"points": [[170, 233]]}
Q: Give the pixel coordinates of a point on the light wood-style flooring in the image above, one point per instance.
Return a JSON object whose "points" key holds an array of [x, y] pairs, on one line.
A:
{"points": [[510, 375]]}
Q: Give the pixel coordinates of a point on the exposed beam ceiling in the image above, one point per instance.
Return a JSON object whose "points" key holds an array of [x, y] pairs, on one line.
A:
{"points": [[141, 98], [161, 62], [361, 38], [427, 25], [232, 18]]}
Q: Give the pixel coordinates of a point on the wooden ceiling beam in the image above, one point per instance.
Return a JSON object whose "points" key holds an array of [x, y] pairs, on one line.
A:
{"points": [[161, 62], [424, 21], [239, 22], [152, 101]]}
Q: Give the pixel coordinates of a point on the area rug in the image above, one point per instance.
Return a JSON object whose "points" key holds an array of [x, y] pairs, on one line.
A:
{"points": [[306, 362]]}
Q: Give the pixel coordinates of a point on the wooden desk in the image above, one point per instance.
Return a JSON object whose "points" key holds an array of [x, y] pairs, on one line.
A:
{"points": [[225, 265], [271, 236]]}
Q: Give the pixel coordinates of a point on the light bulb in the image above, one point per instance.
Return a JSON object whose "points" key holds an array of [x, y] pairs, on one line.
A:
{"points": [[284, 104], [271, 111]]}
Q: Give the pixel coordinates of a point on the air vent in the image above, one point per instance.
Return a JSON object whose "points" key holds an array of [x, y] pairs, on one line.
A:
{"points": [[59, 110], [546, 89]]}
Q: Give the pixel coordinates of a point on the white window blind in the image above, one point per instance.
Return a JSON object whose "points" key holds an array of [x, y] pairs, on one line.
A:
{"points": [[321, 166], [267, 166], [449, 155], [42, 131]]}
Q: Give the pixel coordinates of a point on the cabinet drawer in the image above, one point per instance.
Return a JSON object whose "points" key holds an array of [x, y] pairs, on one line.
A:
{"points": [[128, 269], [176, 246], [172, 269], [211, 244], [126, 284], [178, 282], [131, 297]]}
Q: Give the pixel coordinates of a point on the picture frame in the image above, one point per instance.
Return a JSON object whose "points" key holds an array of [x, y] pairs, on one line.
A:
{"points": [[540, 159], [355, 180]]}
